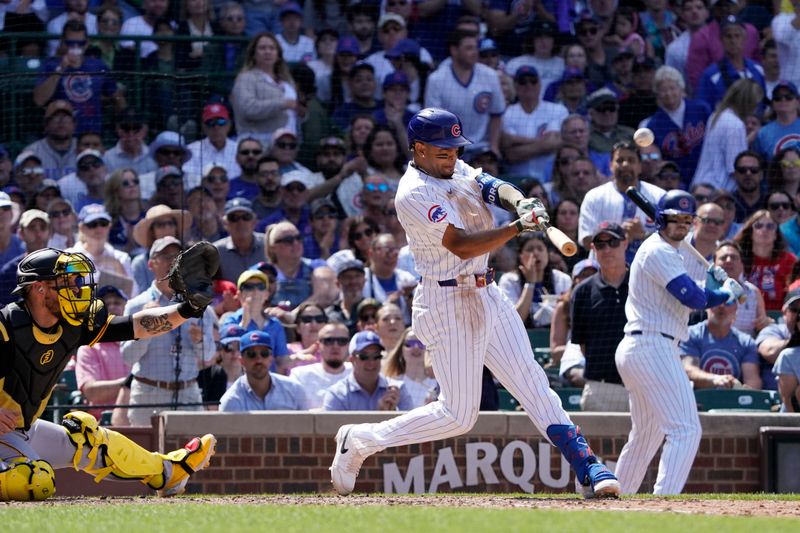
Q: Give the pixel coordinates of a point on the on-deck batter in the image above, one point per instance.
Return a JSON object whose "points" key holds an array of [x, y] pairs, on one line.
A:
{"points": [[660, 296], [459, 312]]}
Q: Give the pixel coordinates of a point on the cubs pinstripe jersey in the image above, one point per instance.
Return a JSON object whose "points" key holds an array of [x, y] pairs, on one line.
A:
{"points": [[427, 205], [650, 306]]}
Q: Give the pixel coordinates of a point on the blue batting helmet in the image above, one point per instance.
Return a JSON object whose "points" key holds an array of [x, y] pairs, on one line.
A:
{"points": [[437, 127], [674, 202]]}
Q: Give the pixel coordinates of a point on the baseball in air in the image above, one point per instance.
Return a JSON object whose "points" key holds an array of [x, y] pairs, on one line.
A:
{"points": [[644, 137]]}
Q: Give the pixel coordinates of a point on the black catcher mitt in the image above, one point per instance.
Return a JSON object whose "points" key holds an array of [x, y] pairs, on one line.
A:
{"points": [[190, 277]]}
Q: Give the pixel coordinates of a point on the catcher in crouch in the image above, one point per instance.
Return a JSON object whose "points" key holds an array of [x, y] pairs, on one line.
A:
{"points": [[57, 312]]}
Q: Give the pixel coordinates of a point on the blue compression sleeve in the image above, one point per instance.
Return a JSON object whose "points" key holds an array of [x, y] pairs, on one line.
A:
{"points": [[686, 291], [489, 188]]}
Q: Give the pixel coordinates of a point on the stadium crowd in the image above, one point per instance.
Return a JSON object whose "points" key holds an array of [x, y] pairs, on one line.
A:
{"points": [[289, 161]]}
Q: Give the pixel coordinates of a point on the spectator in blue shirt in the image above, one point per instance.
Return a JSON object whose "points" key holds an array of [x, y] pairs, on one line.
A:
{"points": [[259, 389], [366, 389], [787, 372]]}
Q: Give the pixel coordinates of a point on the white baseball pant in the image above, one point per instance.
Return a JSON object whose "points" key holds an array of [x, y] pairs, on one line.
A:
{"points": [[663, 409]]}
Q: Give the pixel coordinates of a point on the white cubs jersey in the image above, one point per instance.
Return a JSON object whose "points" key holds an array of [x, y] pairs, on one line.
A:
{"points": [[547, 116], [650, 306], [607, 203], [474, 102], [427, 205]]}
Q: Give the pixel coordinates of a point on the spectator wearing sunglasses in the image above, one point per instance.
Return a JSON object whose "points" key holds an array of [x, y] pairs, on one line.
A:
{"points": [[375, 194], [130, 150], [168, 149], [293, 204], [408, 362], [126, 207], [55, 151], [243, 246], [604, 114], [323, 239], [707, 230], [86, 185], [216, 181], [780, 204], [285, 251], [64, 223], [159, 221], [366, 389], [309, 320], [94, 228], [773, 339], [29, 173], [667, 177], [784, 171], [218, 378], [216, 146], [316, 378], [285, 147], [253, 296], [351, 279], [385, 281], [531, 128], [767, 264], [748, 174], [259, 389], [652, 163], [751, 315]]}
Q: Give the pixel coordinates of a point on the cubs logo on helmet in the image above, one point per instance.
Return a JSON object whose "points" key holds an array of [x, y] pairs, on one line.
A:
{"points": [[436, 214], [438, 127], [674, 202]]}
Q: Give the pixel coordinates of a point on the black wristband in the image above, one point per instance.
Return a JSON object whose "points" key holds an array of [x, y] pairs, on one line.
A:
{"points": [[186, 310], [519, 226]]}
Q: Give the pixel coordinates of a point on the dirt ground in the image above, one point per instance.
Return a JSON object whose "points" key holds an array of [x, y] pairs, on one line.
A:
{"points": [[764, 507]]}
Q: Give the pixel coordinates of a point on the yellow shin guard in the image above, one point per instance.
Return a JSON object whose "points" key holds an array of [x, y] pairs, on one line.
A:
{"points": [[121, 457], [23, 480]]}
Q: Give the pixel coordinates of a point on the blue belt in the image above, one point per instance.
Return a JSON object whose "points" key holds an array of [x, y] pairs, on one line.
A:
{"points": [[481, 280], [665, 335]]}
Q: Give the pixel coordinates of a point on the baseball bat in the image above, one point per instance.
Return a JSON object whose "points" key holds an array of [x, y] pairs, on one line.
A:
{"points": [[650, 210], [566, 245]]}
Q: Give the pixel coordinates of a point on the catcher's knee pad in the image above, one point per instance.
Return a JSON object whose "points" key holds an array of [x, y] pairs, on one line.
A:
{"points": [[573, 445], [23, 480], [110, 452]]}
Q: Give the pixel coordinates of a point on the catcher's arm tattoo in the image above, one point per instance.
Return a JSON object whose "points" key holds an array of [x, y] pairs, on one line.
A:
{"points": [[156, 321]]}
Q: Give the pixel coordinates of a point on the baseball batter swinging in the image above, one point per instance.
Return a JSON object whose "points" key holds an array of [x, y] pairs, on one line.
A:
{"points": [[459, 312], [57, 313], [660, 298]]}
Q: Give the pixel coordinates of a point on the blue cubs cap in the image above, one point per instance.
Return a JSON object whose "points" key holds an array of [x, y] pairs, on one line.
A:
{"points": [[291, 7], [582, 265], [404, 47], [255, 338], [396, 78], [110, 289], [526, 71], [231, 333], [238, 204], [786, 84], [348, 45], [731, 20], [92, 212], [364, 339], [487, 45]]}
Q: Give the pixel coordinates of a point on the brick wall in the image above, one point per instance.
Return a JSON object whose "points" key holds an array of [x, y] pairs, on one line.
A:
{"points": [[291, 453]]}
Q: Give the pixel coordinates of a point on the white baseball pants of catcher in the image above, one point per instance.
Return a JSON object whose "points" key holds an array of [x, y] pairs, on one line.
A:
{"points": [[463, 328], [663, 409]]}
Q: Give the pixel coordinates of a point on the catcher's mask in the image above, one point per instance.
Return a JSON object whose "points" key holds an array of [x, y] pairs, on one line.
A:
{"points": [[73, 274]]}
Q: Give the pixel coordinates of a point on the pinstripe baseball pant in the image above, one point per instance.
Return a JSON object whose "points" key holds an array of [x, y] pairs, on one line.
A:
{"points": [[663, 409]]}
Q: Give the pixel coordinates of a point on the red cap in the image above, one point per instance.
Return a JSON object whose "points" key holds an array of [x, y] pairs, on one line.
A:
{"points": [[215, 111]]}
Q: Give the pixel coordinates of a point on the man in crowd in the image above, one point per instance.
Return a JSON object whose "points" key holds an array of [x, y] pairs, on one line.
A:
{"points": [[351, 278], [575, 130], [748, 173], [33, 232], [316, 378], [641, 102], [598, 317], [361, 21], [786, 31], [604, 114], [216, 146], [531, 127], [774, 338], [29, 174], [168, 149], [153, 10], [693, 14], [243, 246], [86, 185], [707, 231], [717, 355], [366, 389], [245, 185], [131, 150], [362, 82], [165, 368], [785, 129], [58, 148], [259, 389], [337, 178]]}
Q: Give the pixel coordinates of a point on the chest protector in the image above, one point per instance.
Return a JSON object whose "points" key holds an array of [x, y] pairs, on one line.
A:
{"points": [[30, 371]]}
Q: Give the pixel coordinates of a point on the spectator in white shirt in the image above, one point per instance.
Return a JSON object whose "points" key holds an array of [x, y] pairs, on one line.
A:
{"points": [[786, 32], [144, 25], [216, 147], [315, 379]]}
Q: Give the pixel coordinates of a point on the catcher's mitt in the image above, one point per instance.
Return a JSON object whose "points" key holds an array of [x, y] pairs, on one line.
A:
{"points": [[191, 273]]}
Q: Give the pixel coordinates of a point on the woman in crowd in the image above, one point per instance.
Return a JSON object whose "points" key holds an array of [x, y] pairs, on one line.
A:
{"points": [[751, 315], [196, 17], [390, 325], [726, 135], [784, 171], [224, 57], [767, 264], [384, 156], [575, 59], [305, 350], [263, 96], [359, 231], [559, 171], [159, 221], [323, 65], [109, 23], [407, 363], [565, 218], [284, 249], [123, 200], [207, 224], [360, 128], [64, 223], [535, 281], [780, 206], [45, 193]]}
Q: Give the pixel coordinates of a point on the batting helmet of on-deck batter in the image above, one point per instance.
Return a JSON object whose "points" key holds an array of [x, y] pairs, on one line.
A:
{"points": [[674, 202], [437, 127]]}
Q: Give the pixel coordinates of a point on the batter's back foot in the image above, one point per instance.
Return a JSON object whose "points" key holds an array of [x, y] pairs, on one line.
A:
{"points": [[602, 483], [346, 463]]}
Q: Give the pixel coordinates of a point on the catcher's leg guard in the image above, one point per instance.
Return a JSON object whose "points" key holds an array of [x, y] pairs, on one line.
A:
{"points": [[111, 452], [186, 461], [22, 480], [592, 474]]}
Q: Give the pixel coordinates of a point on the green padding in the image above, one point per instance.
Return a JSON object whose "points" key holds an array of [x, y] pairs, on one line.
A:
{"points": [[708, 399], [570, 398]]}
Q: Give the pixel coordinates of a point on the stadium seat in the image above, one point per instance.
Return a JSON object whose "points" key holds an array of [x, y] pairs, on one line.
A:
{"points": [[540, 342], [733, 399], [570, 398], [507, 401], [63, 394]]}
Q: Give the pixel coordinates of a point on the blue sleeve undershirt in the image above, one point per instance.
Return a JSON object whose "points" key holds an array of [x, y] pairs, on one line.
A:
{"points": [[686, 291]]}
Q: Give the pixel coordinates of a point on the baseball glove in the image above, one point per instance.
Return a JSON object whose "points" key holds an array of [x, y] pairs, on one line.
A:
{"points": [[190, 277]]}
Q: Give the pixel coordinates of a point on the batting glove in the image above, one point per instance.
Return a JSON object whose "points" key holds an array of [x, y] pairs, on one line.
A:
{"points": [[732, 288], [715, 277], [532, 206]]}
